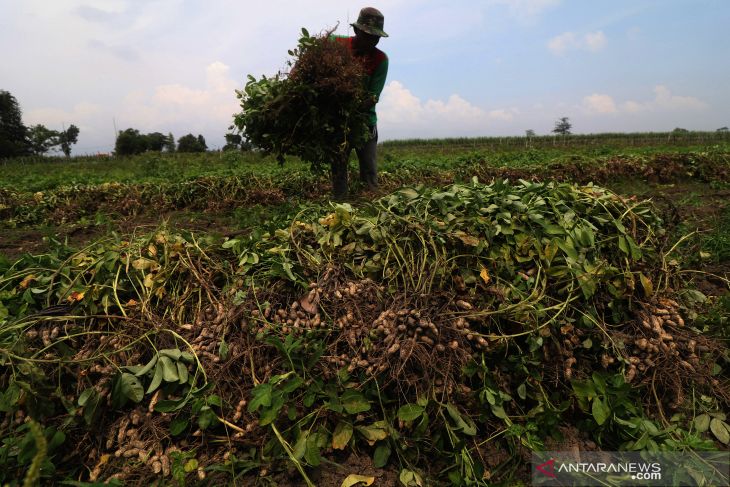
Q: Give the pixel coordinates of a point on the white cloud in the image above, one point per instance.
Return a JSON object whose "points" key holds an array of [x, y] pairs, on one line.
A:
{"points": [[561, 43], [633, 107], [595, 41], [598, 103], [506, 115], [181, 108], [527, 8], [403, 114], [570, 41], [664, 100]]}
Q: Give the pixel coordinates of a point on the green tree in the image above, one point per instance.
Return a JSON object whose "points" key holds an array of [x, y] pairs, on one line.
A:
{"points": [[129, 142], [67, 138], [563, 126], [529, 133], [201, 143], [190, 143], [723, 129], [42, 139], [233, 142], [13, 134], [156, 141], [170, 143]]}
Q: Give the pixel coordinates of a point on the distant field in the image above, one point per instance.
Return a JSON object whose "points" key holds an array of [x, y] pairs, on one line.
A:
{"points": [[39, 174]]}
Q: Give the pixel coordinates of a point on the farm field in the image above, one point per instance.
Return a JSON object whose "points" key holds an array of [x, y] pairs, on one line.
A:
{"points": [[214, 319]]}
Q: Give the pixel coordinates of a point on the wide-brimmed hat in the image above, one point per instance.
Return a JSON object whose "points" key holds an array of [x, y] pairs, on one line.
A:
{"points": [[371, 21]]}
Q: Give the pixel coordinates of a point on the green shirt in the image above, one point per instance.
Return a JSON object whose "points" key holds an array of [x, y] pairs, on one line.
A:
{"points": [[376, 70]]}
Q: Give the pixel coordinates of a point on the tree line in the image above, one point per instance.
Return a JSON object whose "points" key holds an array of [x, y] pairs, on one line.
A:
{"points": [[131, 141], [17, 140]]}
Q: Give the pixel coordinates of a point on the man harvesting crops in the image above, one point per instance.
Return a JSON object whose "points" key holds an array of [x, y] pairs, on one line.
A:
{"points": [[325, 106], [368, 31]]}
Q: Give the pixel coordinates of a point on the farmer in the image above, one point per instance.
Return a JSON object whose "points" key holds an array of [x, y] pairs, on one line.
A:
{"points": [[368, 31]]}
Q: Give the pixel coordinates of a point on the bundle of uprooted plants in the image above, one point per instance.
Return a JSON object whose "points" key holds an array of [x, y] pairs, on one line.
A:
{"points": [[318, 111], [441, 334]]}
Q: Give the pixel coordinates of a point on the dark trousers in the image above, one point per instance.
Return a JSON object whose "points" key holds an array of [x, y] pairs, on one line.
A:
{"points": [[367, 157]]}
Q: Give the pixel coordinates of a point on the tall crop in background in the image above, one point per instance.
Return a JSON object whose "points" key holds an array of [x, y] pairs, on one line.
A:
{"points": [[317, 112]]}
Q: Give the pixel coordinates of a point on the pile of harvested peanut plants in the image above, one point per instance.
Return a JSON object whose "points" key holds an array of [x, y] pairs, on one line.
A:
{"points": [[440, 334], [318, 111]]}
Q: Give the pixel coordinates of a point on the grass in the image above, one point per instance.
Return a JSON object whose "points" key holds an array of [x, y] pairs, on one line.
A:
{"points": [[33, 175], [717, 242]]}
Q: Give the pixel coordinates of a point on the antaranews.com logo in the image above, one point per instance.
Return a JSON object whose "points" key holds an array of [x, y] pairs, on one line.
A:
{"points": [[638, 471], [631, 468]]}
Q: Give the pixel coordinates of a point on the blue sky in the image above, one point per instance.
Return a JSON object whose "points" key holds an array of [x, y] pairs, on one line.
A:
{"points": [[457, 68]]}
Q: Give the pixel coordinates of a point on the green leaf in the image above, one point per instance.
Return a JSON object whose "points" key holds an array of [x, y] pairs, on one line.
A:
{"points": [[131, 387], [568, 249], [147, 367], [550, 250], [410, 478], [721, 430], [374, 432], [172, 353], [702, 423], [311, 454], [187, 357], [600, 411], [635, 249], [84, 396], [89, 400], [381, 455], [599, 382], [300, 447], [261, 397], [623, 245], [409, 193], [169, 369], [182, 372], [646, 284], [178, 425], [223, 350], [354, 402], [464, 423], [522, 391], [214, 400], [170, 406], [553, 229], [156, 379], [584, 389], [497, 410], [409, 412], [191, 465], [206, 417], [342, 435], [9, 398], [268, 415], [229, 243], [353, 480]]}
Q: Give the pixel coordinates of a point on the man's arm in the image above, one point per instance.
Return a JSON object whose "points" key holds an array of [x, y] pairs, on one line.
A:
{"points": [[377, 80]]}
